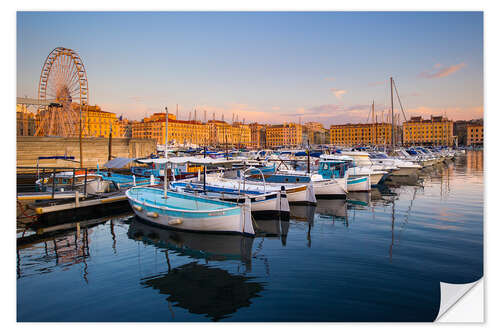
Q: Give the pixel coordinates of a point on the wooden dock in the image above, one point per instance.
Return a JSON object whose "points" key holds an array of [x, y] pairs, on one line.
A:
{"points": [[67, 207]]}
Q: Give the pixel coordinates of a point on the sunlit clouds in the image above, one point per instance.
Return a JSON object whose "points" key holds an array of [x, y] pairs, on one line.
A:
{"points": [[455, 113], [338, 92], [443, 72]]}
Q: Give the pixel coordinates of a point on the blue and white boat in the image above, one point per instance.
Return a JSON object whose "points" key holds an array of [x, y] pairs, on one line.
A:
{"points": [[264, 205], [338, 166], [286, 180], [324, 188], [127, 181], [182, 211], [295, 193]]}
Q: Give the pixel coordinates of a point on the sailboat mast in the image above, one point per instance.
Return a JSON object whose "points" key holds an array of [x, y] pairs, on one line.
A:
{"points": [[165, 178], [392, 115], [80, 137], [109, 141], [373, 121]]}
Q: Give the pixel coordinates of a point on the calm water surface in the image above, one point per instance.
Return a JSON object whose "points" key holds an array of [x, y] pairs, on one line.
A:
{"points": [[374, 257]]}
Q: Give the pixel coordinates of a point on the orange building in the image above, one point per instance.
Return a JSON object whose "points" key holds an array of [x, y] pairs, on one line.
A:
{"points": [[98, 123], [258, 135], [25, 121], [315, 133], [288, 134], [361, 134], [236, 134], [475, 135], [179, 131], [434, 131]]}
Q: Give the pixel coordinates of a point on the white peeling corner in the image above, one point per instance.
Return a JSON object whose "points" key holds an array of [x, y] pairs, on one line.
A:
{"points": [[461, 302]]}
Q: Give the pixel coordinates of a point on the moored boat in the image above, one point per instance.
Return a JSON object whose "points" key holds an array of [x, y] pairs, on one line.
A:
{"points": [[264, 205], [359, 184], [189, 212], [296, 193]]}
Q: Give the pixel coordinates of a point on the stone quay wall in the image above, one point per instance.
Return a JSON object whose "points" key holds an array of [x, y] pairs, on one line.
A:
{"points": [[95, 150]]}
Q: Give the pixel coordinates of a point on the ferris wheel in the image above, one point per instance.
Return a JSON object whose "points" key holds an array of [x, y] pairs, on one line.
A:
{"points": [[63, 85]]}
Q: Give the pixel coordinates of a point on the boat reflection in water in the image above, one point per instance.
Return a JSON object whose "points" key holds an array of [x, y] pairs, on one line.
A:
{"points": [[336, 208], [272, 229], [357, 200], [205, 290], [200, 288], [212, 247], [411, 180], [303, 213]]}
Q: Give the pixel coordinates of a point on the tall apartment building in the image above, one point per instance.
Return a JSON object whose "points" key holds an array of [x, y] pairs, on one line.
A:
{"points": [[257, 135], [236, 134], [361, 134], [98, 123], [460, 129], [475, 134], [315, 133], [437, 130], [288, 134], [125, 128], [179, 131]]}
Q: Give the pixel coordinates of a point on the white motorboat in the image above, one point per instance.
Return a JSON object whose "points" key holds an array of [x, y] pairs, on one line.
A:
{"points": [[296, 193], [264, 205]]}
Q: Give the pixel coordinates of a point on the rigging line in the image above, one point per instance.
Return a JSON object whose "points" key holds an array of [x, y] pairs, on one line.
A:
{"points": [[397, 94]]}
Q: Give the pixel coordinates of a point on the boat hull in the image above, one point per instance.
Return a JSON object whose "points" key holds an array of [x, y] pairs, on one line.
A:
{"points": [[303, 195], [359, 184], [265, 207], [376, 177], [236, 219], [330, 189]]}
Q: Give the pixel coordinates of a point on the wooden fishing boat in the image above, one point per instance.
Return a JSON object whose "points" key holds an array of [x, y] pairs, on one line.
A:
{"points": [[189, 212]]}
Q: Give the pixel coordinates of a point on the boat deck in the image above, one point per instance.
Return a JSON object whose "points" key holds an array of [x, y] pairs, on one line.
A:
{"points": [[174, 200]]}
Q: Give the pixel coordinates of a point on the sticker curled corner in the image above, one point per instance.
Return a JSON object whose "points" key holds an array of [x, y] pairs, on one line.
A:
{"points": [[450, 294]]}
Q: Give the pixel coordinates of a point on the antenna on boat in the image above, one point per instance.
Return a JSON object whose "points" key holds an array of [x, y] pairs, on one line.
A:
{"points": [[165, 178]]}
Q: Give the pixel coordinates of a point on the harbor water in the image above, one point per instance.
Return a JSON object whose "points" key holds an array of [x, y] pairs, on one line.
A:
{"points": [[377, 256]]}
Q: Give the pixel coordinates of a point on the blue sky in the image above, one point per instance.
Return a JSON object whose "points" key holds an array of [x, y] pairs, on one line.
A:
{"points": [[265, 66]]}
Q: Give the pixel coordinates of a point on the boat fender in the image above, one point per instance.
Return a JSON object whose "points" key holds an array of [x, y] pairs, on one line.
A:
{"points": [[175, 221], [152, 214], [139, 208]]}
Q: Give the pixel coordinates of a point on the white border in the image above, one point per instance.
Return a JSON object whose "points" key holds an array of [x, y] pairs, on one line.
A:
{"points": [[492, 109]]}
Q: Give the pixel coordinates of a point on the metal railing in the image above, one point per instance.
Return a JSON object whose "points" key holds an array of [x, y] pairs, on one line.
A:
{"points": [[27, 178]]}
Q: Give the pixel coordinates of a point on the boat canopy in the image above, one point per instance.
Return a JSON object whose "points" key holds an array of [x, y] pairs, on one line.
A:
{"points": [[118, 163], [336, 157], [191, 160]]}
